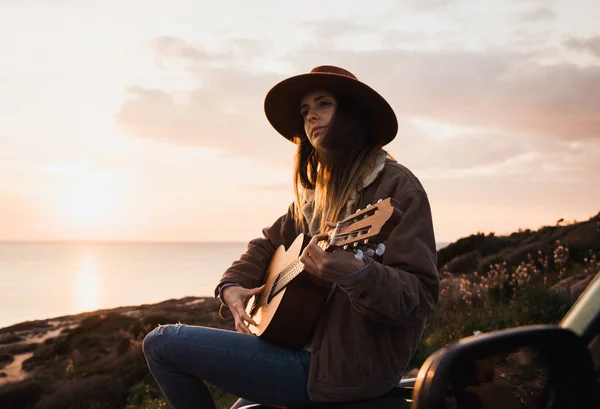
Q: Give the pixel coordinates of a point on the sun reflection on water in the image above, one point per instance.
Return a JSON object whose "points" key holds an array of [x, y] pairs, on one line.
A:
{"points": [[87, 285]]}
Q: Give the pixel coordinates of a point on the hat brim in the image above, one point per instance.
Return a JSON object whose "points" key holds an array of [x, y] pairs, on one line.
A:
{"points": [[282, 103]]}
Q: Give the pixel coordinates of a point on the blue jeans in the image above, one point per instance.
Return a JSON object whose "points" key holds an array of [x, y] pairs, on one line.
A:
{"points": [[182, 357]]}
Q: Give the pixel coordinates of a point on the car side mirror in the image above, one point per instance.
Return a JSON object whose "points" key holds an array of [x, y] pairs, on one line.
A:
{"points": [[540, 366]]}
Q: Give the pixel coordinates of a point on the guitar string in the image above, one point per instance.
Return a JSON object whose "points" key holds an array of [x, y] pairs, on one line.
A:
{"points": [[285, 276], [292, 270]]}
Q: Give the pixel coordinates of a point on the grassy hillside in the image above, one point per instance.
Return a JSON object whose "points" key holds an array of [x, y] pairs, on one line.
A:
{"points": [[529, 277], [95, 361], [476, 253]]}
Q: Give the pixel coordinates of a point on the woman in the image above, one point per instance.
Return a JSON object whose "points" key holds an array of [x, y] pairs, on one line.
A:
{"points": [[377, 306]]}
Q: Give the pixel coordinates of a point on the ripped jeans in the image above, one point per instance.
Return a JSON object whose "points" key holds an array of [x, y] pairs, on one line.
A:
{"points": [[181, 358]]}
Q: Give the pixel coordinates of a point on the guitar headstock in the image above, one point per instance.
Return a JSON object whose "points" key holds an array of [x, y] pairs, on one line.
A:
{"points": [[366, 229]]}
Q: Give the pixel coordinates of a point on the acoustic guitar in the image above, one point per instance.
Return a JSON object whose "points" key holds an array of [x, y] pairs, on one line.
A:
{"points": [[287, 309]]}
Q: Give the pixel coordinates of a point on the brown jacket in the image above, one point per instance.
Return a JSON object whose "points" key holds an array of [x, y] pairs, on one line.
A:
{"points": [[367, 333]]}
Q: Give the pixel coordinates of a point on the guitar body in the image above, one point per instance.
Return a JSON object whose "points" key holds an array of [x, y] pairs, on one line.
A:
{"points": [[287, 319], [288, 308]]}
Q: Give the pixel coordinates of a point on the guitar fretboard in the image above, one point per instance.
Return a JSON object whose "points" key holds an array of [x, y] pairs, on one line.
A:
{"points": [[284, 277], [287, 275]]}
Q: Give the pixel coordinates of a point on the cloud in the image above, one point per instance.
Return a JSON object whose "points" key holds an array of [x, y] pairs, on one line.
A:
{"points": [[499, 91], [428, 5], [591, 45], [535, 15], [329, 31], [225, 114], [502, 94], [178, 48], [461, 154]]}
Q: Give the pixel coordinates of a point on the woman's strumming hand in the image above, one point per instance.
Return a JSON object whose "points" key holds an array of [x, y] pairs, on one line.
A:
{"points": [[235, 297]]}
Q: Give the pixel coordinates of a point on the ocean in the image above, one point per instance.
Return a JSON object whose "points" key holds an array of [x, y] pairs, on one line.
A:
{"points": [[52, 279], [46, 280]]}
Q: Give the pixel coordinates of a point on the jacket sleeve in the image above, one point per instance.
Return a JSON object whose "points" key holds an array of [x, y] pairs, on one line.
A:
{"points": [[249, 269], [404, 285]]}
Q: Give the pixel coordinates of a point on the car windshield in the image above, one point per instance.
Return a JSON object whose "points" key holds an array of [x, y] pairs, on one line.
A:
{"points": [[586, 310]]}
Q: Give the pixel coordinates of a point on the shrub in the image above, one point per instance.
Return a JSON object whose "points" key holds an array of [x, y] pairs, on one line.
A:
{"points": [[19, 348], [97, 391], [26, 326], [20, 395], [9, 338], [5, 359], [144, 394], [536, 291]]}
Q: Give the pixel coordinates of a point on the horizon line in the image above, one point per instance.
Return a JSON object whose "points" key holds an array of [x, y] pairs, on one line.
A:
{"points": [[122, 241]]}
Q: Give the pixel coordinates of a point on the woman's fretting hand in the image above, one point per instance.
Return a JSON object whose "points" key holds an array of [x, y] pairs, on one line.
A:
{"points": [[235, 297], [328, 265]]}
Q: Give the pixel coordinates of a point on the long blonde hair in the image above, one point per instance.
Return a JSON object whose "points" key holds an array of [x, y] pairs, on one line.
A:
{"points": [[334, 173]]}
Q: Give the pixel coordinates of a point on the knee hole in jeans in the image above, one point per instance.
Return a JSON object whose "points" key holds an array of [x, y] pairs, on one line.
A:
{"points": [[156, 338]]}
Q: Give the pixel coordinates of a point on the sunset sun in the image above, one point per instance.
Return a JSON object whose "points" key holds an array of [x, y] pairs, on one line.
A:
{"points": [[88, 204], [87, 198]]}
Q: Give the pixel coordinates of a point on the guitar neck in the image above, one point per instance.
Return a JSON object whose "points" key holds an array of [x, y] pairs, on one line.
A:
{"points": [[287, 275], [292, 271]]}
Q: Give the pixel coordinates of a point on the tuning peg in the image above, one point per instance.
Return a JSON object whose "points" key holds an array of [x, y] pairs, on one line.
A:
{"points": [[369, 252], [380, 249], [359, 254]]}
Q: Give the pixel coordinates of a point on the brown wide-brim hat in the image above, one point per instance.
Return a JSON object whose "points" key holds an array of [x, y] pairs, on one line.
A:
{"points": [[282, 103]]}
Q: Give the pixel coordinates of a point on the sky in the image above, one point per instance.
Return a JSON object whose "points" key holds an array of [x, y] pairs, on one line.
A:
{"points": [[143, 119]]}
